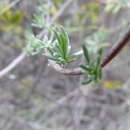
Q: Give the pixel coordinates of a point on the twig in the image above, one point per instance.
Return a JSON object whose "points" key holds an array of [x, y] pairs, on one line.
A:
{"points": [[116, 49], [60, 12], [12, 65], [65, 71]]}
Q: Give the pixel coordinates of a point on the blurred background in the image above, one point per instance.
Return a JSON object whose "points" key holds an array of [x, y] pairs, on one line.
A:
{"points": [[33, 96]]}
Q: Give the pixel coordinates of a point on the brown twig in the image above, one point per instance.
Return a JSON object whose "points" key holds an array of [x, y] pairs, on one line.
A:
{"points": [[116, 49]]}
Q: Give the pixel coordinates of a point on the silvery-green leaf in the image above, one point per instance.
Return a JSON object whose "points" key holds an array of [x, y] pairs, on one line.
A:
{"points": [[79, 53]]}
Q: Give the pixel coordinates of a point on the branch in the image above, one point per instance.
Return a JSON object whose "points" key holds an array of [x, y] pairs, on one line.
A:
{"points": [[60, 12], [113, 52], [12, 65], [116, 49], [65, 71]]}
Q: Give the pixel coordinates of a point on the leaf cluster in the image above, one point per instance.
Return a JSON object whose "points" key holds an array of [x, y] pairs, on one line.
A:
{"points": [[92, 67], [35, 45], [38, 20], [60, 52], [56, 46]]}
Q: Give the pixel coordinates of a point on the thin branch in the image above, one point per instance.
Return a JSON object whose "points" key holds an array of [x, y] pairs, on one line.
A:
{"points": [[65, 71], [12, 65], [116, 49], [63, 8]]}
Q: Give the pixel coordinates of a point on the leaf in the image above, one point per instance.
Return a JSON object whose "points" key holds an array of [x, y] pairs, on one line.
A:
{"points": [[61, 47], [86, 55], [38, 21], [89, 70], [99, 54], [54, 58], [86, 82], [92, 69], [79, 53]]}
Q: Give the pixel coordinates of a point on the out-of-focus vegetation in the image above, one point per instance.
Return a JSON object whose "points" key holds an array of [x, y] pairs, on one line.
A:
{"points": [[33, 96], [9, 19]]}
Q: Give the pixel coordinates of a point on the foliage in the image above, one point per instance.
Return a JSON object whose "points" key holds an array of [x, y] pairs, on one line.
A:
{"points": [[57, 2], [92, 10], [116, 5], [60, 50], [38, 17], [92, 67], [56, 44], [9, 19], [88, 11], [96, 41], [41, 13], [34, 44]]}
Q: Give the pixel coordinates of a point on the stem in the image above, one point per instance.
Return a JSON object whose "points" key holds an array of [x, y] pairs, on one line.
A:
{"points": [[116, 49]]}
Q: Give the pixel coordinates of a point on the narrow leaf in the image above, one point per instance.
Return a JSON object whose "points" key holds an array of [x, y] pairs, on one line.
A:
{"points": [[86, 82], [86, 54]]}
